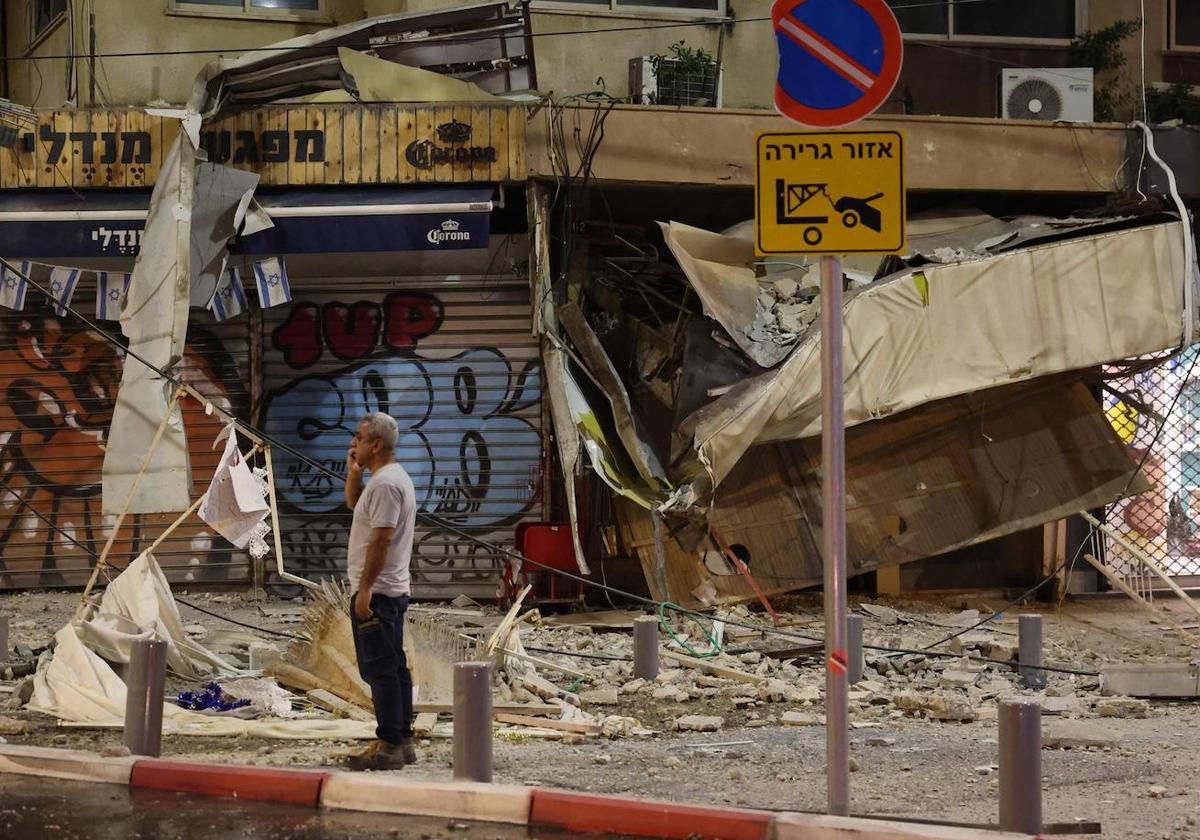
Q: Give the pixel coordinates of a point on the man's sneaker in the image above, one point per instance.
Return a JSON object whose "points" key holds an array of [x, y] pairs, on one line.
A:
{"points": [[409, 751], [379, 756]]}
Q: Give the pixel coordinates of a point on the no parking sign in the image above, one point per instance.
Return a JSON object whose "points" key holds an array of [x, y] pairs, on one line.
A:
{"points": [[838, 59]]}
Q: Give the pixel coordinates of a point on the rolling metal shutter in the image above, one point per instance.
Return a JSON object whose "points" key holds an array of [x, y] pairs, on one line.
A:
{"points": [[59, 382], [454, 360]]}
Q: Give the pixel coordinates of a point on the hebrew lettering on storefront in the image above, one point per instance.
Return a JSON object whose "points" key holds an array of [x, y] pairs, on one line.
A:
{"points": [[295, 145]]}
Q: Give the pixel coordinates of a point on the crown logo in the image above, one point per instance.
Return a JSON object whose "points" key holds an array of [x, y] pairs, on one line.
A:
{"points": [[450, 224], [454, 132]]}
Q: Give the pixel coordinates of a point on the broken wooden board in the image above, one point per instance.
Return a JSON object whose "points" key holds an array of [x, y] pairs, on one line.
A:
{"points": [[544, 723], [332, 703], [424, 724], [606, 619], [713, 668], [539, 709]]}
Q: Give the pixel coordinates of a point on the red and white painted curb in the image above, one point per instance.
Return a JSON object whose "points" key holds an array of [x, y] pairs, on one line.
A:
{"points": [[580, 813]]}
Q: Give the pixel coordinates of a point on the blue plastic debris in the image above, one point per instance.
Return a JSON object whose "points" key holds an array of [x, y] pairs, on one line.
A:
{"points": [[212, 698]]}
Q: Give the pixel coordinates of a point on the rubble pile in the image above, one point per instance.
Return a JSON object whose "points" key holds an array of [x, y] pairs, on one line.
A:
{"points": [[571, 678], [786, 308], [757, 686]]}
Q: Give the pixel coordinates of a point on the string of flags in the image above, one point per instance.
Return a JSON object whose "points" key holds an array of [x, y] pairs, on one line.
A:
{"points": [[228, 301]]}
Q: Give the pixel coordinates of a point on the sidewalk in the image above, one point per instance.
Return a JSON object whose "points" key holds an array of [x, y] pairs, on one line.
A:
{"points": [[510, 804]]}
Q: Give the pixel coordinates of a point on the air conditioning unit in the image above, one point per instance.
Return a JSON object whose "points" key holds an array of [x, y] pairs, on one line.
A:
{"points": [[1047, 93], [670, 87]]}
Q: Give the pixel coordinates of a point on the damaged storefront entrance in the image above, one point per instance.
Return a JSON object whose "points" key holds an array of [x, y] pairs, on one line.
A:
{"points": [[404, 296]]}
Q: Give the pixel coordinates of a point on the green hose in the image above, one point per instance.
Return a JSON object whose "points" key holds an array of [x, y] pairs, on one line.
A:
{"points": [[713, 641]]}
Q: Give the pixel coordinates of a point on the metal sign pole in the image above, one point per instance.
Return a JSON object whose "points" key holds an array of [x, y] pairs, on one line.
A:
{"points": [[833, 538]]}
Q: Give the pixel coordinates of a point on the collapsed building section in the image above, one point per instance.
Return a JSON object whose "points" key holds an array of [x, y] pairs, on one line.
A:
{"points": [[691, 371]]}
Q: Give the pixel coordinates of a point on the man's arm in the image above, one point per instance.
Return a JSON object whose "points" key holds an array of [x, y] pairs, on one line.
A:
{"points": [[377, 549], [354, 479]]}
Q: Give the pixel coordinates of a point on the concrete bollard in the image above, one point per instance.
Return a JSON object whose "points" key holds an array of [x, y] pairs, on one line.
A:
{"points": [[1020, 766], [645, 647], [1029, 636], [854, 648], [4, 654], [144, 679], [473, 721]]}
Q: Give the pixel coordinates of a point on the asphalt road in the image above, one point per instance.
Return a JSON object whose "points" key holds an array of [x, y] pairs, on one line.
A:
{"points": [[34, 808]]}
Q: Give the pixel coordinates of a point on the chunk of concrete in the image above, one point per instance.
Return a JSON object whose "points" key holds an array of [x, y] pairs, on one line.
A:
{"points": [[603, 696], [886, 615], [957, 679], [699, 723], [1068, 705], [1122, 707], [799, 719], [1155, 679], [1077, 734], [936, 706]]}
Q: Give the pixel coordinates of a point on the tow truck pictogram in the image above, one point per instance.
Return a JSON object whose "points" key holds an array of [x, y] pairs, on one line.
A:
{"points": [[793, 207]]}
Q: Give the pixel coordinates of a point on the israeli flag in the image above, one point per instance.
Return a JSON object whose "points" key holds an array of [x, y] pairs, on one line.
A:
{"points": [[229, 299], [62, 287], [273, 288], [110, 293], [13, 287]]}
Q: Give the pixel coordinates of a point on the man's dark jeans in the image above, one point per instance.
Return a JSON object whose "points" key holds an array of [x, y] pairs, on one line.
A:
{"points": [[379, 646]]}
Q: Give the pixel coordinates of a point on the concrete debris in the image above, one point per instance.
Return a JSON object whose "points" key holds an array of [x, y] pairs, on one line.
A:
{"points": [[8, 726], [800, 719], [603, 696], [620, 726], [787, 307], [1077, 734], [1122, 707], [886, 615], [699, 723], [1068, 705], [958, 679], [937, 706]]}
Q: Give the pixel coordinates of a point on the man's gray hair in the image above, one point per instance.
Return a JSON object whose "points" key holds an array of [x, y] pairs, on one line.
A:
{"points": [[382, 427]]}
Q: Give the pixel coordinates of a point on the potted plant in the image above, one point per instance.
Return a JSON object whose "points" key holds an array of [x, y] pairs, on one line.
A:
{"points": [[686, 76]]}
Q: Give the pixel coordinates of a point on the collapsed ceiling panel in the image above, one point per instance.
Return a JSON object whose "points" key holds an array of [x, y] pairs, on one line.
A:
{"points": [[487, 44], [925, 334]]}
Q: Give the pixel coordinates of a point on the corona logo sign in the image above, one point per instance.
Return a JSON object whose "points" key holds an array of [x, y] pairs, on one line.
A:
{"points": [[448, 232]]}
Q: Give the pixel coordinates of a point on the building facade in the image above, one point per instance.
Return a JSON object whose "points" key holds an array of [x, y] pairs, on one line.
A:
{"points": [[425, 307], [152, 49]]}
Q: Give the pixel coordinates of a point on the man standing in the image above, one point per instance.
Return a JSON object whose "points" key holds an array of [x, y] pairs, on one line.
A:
{"points": [[377, 562]]}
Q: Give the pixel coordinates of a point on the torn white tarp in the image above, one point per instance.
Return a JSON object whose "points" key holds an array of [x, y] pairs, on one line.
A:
{"points": [[141, 597], [155, 318], [79, 684], [81, 687], [234, 502], [221, 200], [485, 42], [929, 333]]}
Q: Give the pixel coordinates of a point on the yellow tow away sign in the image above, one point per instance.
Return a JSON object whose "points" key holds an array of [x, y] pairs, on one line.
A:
{"points": [[836, 192]]}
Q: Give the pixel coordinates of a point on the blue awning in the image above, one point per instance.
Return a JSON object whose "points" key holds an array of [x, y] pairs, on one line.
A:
{"points": [[109, 223]]}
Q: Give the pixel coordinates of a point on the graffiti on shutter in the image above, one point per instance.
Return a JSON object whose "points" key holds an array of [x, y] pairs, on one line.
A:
{"points": [[459, 371], [59, 382]]}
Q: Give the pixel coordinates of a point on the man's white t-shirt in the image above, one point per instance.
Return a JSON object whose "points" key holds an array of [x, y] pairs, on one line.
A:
{"points": [[388, 501]]}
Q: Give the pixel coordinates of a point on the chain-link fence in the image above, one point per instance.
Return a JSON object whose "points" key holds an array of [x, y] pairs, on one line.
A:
{"points": [[1164, 521]]}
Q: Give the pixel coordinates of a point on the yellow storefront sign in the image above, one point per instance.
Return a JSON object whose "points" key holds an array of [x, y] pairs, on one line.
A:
{"points": [[836, 192]]}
